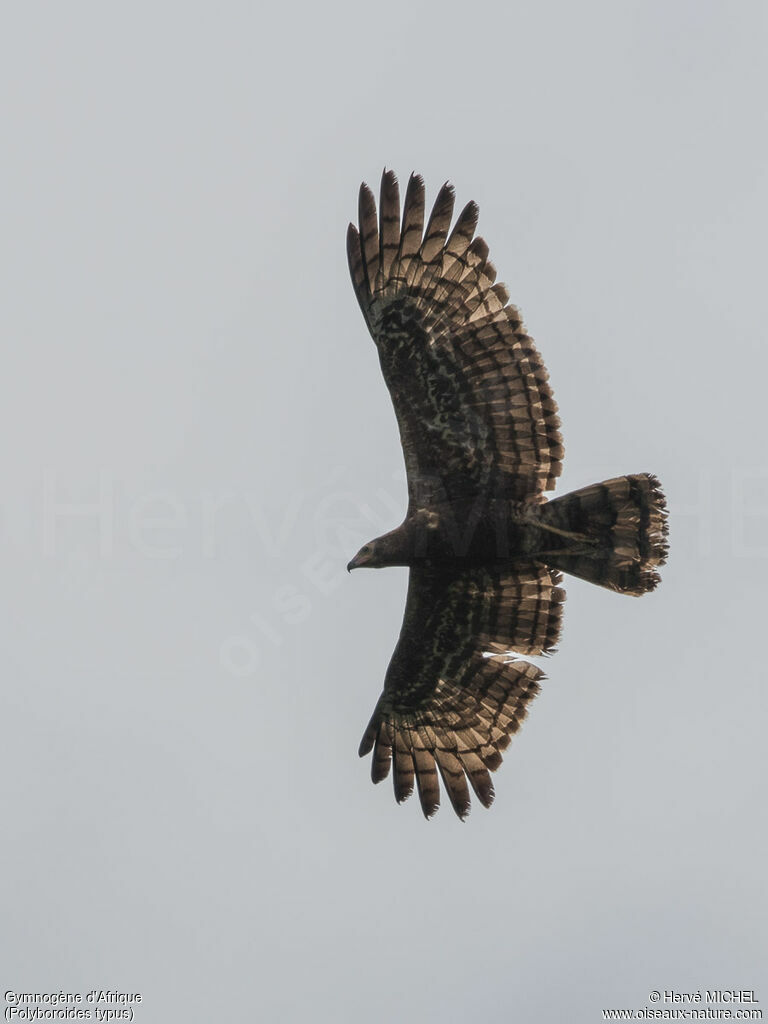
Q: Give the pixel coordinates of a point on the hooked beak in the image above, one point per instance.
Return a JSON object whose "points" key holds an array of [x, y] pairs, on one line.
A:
{"points": [[362, 557]]}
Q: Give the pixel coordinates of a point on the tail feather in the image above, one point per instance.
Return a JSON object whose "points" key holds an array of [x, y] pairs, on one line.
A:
{"points": [[613, 534]]}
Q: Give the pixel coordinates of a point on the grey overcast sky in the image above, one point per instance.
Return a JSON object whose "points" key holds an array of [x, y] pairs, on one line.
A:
{"points": [[195, 438]]}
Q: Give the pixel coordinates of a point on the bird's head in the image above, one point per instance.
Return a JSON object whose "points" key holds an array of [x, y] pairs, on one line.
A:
{"points": [[393, 548], [369, 556]]}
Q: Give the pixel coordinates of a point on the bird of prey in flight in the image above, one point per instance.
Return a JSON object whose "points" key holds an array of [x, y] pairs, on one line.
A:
{"points": [[484, 547]]}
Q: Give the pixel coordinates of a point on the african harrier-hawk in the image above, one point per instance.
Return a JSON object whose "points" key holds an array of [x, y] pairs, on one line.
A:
{"points": [[481, 438]]}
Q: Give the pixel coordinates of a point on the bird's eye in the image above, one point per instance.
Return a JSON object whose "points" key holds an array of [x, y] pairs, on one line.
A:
{"points": [[367, 549]]}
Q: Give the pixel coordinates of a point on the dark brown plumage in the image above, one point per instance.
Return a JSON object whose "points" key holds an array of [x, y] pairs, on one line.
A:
{"points": [[481, 439]]}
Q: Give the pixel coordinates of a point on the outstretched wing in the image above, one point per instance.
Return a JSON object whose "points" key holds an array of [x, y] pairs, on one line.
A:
{"points": [[453, 696], [470, 391]]}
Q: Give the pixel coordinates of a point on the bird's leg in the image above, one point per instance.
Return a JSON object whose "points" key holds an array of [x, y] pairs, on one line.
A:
{"points": [[556, 529], [568, 551]]}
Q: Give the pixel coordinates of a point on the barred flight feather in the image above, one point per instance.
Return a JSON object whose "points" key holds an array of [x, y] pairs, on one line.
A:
{"points": [[444, 291], [466, 717]]}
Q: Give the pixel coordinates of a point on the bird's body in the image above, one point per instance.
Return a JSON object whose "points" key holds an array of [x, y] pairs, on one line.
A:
{"points": [[481, 440], [461, 532], [500, 532]]}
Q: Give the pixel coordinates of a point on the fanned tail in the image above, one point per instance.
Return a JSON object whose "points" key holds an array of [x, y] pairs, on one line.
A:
{"points": [[613, 534]]}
